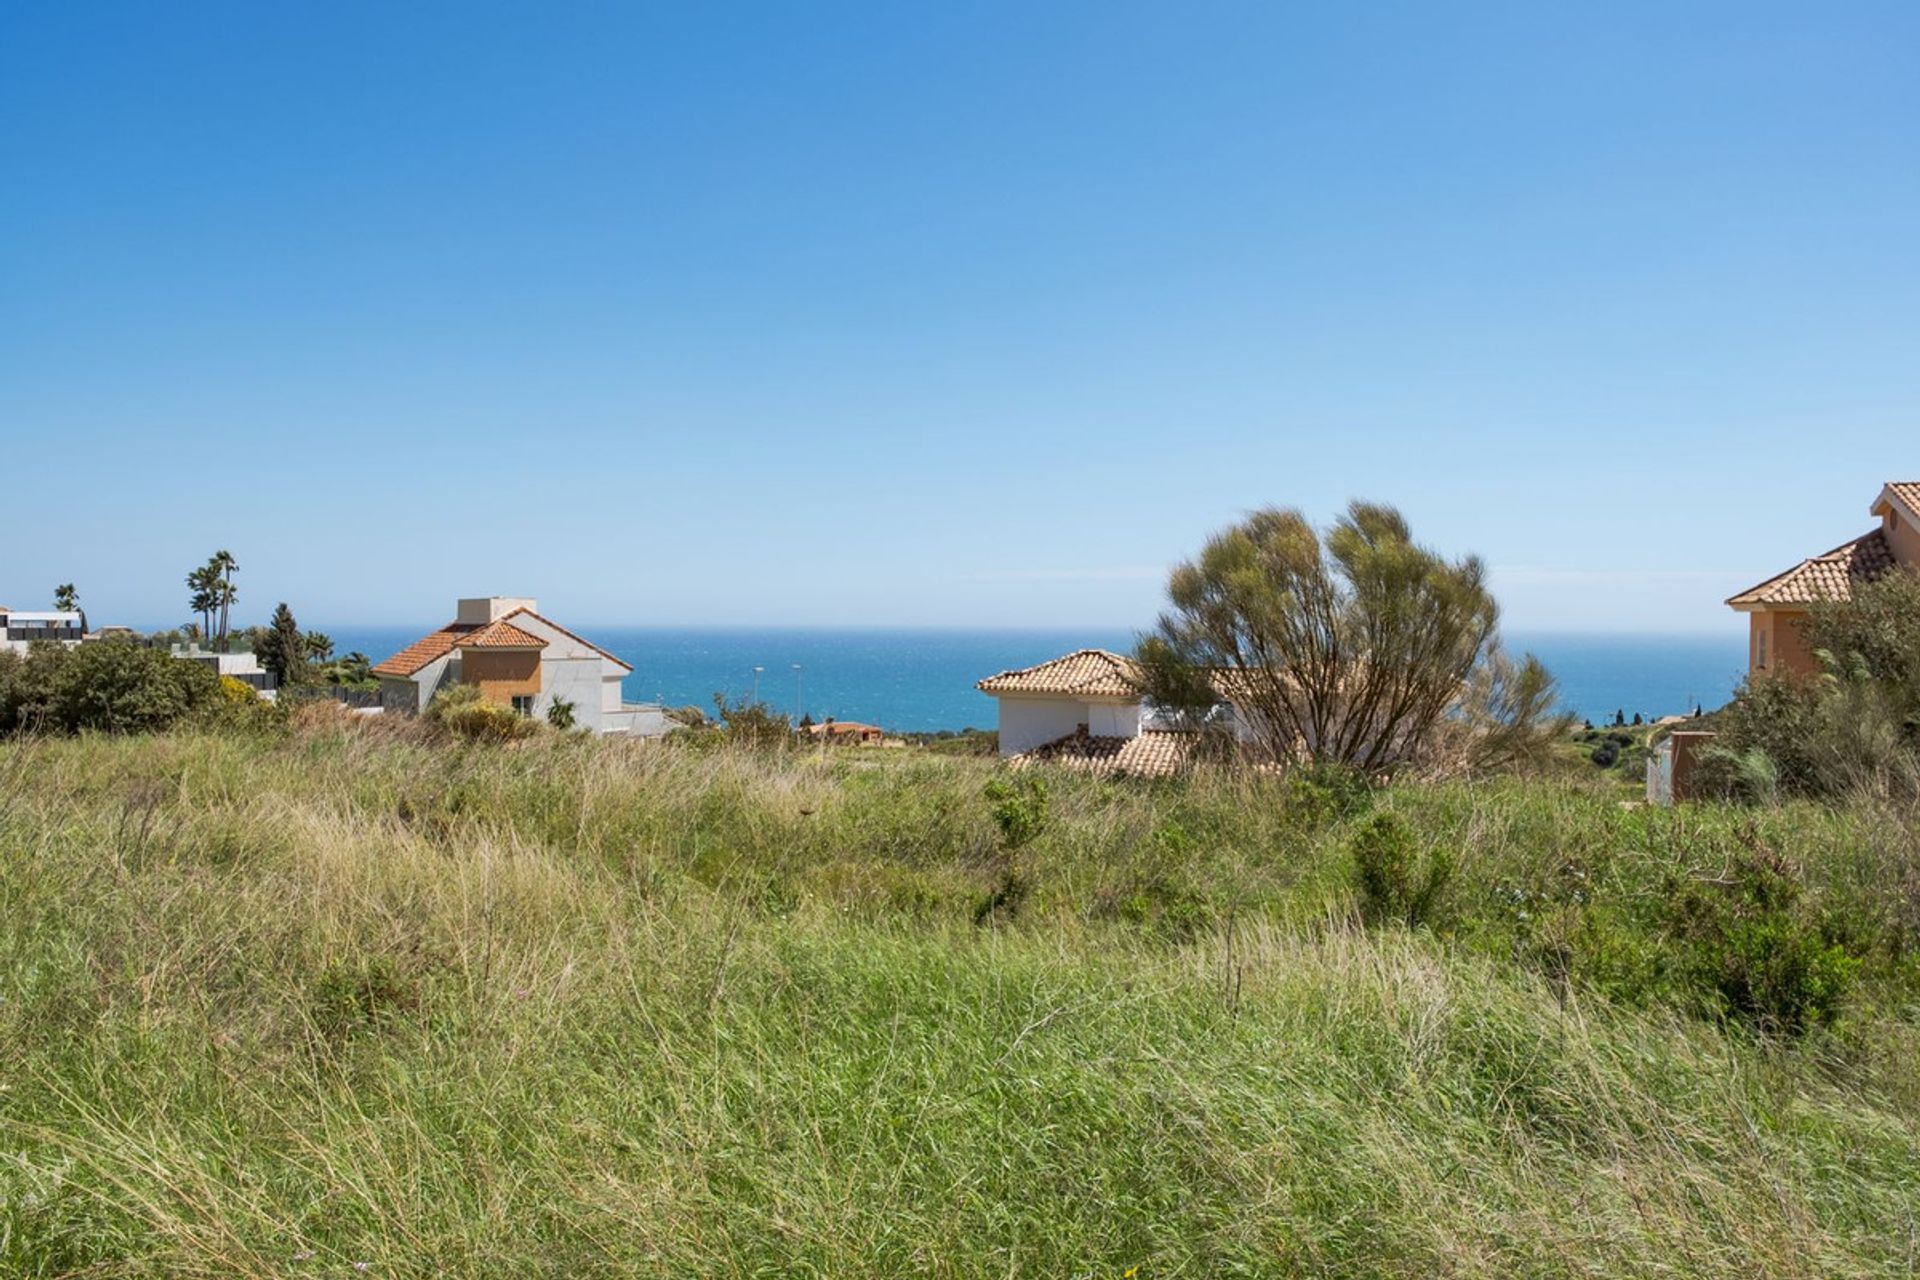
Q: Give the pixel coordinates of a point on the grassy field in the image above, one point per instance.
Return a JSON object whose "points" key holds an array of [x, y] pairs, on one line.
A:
{"points": [[336, 1003]]}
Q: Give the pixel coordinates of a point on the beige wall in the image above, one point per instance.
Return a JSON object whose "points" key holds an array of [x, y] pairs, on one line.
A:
{"points": [[1903, 537], [502, 674], [1777, 643]]}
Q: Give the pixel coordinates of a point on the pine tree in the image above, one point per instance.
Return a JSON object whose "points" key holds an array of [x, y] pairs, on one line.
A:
{"points": [[282, 649]]}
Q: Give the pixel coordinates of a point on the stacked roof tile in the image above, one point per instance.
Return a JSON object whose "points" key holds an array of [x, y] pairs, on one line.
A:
{"points": [[433, 645], [1154, 753], [1093, 673], [1830, 576], [1908, 492], [500, 635]]}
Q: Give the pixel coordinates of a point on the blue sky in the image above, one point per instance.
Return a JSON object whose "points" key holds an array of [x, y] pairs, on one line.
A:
{"points": [[973, 314]]}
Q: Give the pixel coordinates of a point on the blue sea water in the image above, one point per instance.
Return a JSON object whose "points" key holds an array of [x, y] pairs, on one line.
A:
{"points": [[921, 680]]}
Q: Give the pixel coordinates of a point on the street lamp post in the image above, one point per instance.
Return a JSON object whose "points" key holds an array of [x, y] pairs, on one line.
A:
{"points": [[796, 693], [755, 695]]}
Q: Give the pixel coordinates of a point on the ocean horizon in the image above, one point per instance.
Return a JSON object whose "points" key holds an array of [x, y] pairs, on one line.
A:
{"points": [[920, 680]]}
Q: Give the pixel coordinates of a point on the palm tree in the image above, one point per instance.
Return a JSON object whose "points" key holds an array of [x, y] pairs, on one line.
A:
{"points": [[204, 585], [224, 566], [66, 598]]}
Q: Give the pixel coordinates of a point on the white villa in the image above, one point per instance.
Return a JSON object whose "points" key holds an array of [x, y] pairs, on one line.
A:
{"points": [[21, 627], [518, 659], [1085, 710]]}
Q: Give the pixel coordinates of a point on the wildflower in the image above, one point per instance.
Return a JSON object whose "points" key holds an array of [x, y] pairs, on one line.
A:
{"points": [[303, 1255], [363, 1266]]}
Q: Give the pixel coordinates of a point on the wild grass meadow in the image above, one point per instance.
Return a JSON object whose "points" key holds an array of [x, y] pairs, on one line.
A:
{"points": [[333, 1002]]}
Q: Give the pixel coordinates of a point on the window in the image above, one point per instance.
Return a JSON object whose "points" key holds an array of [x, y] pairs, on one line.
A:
{"points": [[523, 703], [1760, 650]]}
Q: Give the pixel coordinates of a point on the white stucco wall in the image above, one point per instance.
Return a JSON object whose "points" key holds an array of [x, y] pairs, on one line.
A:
{"points": [[580, 673], [1113, 720], [403, 695], [1026, 723], [576, 679]]}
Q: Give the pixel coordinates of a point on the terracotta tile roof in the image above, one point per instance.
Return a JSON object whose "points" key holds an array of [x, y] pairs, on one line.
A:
{"points": [[844, 726], [1090, 672], [618, 662], [410, 660], [433, 645], [1908, 492], [1155, 753], [1830, 576], [500, 635]]}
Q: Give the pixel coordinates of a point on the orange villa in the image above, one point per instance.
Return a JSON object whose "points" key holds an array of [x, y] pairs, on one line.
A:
{"points": [[1777, 608], [831, 730]]}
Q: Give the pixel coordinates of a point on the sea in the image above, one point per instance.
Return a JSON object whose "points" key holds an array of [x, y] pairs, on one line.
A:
{"points": [[922, 680]]}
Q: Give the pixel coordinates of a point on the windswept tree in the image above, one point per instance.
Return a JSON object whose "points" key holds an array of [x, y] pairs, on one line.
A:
{"points": [[318, 645], [1359, 647]]}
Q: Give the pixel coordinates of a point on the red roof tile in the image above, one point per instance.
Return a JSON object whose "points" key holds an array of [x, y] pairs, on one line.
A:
{"points": [[1154, 753], [496, 634], [1089, 672], [1829, 576], [500, 635], [417, 655]]}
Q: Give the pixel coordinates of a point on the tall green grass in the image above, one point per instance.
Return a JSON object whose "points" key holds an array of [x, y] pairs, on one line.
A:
{"points": [[286, 1005]]}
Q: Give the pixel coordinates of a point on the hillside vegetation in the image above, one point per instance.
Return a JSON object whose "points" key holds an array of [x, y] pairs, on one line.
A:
{"points": [[335, 1001]]}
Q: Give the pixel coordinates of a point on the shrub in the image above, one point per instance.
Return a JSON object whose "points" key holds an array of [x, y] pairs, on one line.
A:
{"points": [[1355, 645], [1780, 976], [462, 710], [1743, 775], [1010, 890], [1321, 795], [753, 725], [560, 714], [1755, 948], [114, 686], [1398, 884], [1857, 724], [351, 995], [1019, 809]]}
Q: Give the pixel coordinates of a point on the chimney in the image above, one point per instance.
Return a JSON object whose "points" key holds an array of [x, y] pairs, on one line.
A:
{"points": [[477, 611]]}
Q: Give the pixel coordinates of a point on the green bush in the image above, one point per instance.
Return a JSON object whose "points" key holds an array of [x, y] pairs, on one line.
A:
{"points": [[1853, 727], [753, 725], [114, 686], [1320, 795], [1745, 775], [1757, 948], [1398, 883], [349, 996], [464, 711], [1019, 809]]}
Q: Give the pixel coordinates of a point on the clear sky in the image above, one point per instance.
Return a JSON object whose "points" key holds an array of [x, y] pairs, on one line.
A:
{"points": [[943, 314]]}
